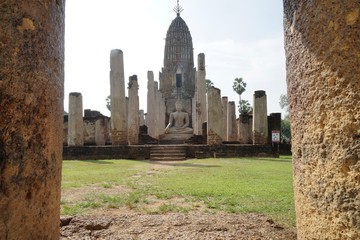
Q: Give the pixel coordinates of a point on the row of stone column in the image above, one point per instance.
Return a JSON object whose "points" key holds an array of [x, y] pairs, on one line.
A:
{"points": [[155, 117], [125, 114], [223, 126]]}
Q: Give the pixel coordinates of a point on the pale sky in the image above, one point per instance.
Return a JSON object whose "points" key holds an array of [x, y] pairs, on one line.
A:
{"points": [[240, 38]]}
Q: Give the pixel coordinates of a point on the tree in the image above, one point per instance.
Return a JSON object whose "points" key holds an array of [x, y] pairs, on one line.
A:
{"points": [[284, 103], [209, 84], [108, 103], [239, 87], [285, 123], [285, 130], [244, 107]]}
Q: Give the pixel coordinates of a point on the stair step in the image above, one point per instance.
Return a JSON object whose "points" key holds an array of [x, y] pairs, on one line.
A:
{"points": [[167, 158], [168, 153], [168, 147]]}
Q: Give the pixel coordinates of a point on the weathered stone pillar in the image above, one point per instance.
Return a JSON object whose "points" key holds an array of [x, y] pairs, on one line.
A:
{"points": [[141, 117], [31, 123], [245, 129], [118, 102], [75, 120], [159, 112], [224, 107], [215, 120], [260, 125], [100, 131], [200, 103], [151, 108], [133, 111], [323, 75], [232, 126], [162, 117]]}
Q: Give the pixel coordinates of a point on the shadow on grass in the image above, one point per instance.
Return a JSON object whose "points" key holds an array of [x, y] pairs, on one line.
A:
{"points": [[97, 161], [182, 164], [273, 160]]}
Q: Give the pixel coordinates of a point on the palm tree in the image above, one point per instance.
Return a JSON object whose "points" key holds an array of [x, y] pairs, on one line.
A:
{"points": [[239, 87]]}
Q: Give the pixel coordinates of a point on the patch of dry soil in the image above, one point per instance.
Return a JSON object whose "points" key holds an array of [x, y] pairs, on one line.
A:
{"points": [[113, 224]]}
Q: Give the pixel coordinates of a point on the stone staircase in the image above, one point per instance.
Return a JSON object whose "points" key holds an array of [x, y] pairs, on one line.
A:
{"points": [[168, 153]]}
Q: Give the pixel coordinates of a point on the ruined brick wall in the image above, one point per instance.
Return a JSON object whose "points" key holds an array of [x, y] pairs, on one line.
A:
{"points": [[323, 77], [89, 131], [31, 100]]}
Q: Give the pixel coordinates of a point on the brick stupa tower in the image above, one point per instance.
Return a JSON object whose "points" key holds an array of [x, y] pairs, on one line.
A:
{"points": [[177, 77]]}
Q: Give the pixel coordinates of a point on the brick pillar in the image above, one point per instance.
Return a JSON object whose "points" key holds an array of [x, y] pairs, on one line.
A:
{"points": [[232, 126], [215, 121], [224, 106], [156, 108], [260, 125], [245, 129], [274, 123], [133, 111], [323, 75], [75, 120], [200, 102], [118, 102], [151, 108], [31, 123], [100, 131]]}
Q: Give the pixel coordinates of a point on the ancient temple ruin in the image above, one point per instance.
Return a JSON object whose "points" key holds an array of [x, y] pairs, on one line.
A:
{"points": [[180, 108]]}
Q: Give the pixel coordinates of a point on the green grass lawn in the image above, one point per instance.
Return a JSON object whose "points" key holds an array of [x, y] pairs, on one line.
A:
{"points": [[235, 185]]}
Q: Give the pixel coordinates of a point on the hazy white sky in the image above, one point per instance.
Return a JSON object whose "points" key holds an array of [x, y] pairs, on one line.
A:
{"points": [[240, 38]]}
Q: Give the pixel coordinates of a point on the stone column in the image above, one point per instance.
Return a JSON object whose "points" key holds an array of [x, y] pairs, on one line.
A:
{"points": [[224, 107], [141, 118], [162, 117], [245, 129], [215, 121], [150, 115], [75, 122], [100, 131], [118, 102], [232, 126], [133, 111], [159, 112], [200, 103], [260, 125], [323, 58], [31, 123]]}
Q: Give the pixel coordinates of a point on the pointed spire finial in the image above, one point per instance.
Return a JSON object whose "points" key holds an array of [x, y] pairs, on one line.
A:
{"points": [[178, 9]]}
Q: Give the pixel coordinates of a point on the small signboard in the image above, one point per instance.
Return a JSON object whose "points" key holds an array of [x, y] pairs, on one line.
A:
{"points": [[275, 136]]}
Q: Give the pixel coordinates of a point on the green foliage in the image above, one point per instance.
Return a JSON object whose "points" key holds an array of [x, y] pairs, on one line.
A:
{"points": [[285, 130], [239, 86], [108, 103], [244, 107], [237, 185], [284, 102], [285, 123], [209, 84]]}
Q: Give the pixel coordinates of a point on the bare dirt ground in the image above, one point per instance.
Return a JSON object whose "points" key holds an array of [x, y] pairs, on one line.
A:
{"points": [[125, 224], [117, 224]]}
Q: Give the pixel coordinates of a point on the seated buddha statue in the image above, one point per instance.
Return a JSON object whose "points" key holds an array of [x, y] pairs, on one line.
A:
{"points": [[179, 121]]}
